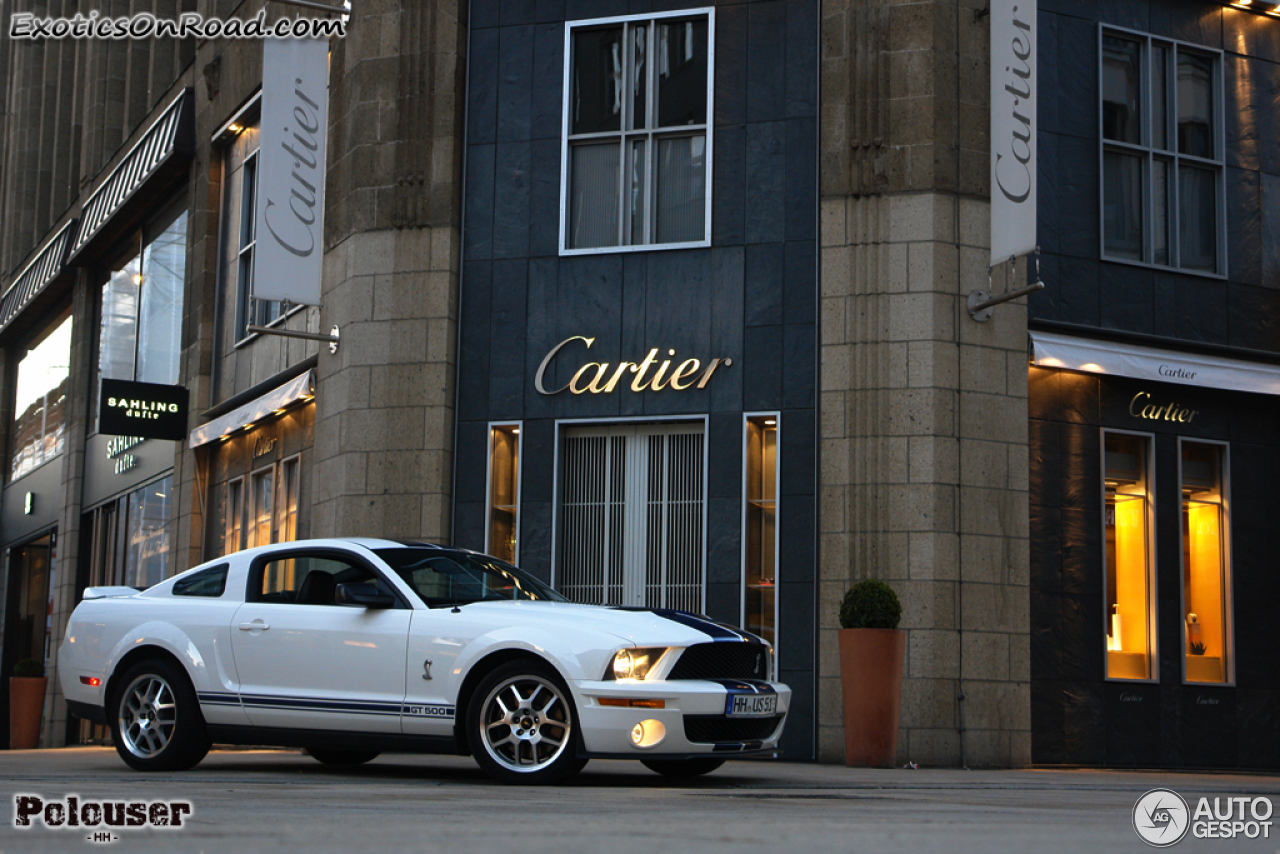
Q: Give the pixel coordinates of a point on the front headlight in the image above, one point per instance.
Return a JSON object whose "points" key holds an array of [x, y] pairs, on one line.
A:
{"points": [[635, 663]]}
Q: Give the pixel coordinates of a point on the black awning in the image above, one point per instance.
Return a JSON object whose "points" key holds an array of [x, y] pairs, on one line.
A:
{"points": [[161, 154], [31, 287]]}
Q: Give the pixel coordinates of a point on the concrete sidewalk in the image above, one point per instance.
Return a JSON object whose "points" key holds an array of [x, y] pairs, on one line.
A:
{"points": [[278, 801]]}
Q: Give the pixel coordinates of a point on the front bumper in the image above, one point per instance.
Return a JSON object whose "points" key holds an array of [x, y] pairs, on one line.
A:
{"points": [[692, 720]]}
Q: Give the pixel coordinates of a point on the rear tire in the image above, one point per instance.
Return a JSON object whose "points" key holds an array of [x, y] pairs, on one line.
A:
{"points": [[684, 768], [326, 756], [522, 725], [155, 718]]}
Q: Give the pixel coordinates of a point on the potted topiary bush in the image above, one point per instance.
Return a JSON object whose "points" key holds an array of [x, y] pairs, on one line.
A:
{"points": [[872, 648], [27, 685]]}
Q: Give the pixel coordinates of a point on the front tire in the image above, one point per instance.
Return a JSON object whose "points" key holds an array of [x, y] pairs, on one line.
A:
{"points": [[326, 756], [521, 725], [683, 768], [155, 718]]}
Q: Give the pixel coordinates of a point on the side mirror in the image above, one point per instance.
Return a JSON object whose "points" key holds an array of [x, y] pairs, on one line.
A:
{"points": [[363, 594]]}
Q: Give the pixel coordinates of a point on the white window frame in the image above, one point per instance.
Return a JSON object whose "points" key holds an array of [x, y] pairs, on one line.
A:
{"points": [[622, 134], [488, 486], [1153, 577], [1228, 601], [1149, 153], [777, 522]]}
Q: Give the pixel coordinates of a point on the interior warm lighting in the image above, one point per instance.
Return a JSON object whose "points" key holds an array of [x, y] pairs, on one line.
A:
{"points": [[1128, 566], [504, 492], [770, 422], [235, 128], [1093, 367], [1050, 363], [137, 278]]}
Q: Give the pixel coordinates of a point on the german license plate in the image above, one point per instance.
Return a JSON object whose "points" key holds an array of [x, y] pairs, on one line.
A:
{"points": [[751, 705]]}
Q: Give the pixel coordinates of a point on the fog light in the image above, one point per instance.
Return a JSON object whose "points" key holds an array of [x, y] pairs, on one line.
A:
{"points": [[648, 734]]}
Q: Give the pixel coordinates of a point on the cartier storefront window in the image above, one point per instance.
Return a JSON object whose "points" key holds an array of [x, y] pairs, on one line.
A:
{"points": [[262, 508], [1205, 565], [1129, 618], [760, 541], [504, 492]]}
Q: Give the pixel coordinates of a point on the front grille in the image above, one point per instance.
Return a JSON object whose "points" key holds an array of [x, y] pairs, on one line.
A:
{"points": [[713, 729], [724, 660]]}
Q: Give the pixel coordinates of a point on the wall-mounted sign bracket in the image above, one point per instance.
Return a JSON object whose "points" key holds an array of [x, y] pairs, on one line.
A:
{"points": [[982, 303], [332, 337]]}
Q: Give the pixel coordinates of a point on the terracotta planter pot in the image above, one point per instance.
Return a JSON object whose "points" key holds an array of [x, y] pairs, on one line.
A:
{"points": [[871, 681], [26, 711]]}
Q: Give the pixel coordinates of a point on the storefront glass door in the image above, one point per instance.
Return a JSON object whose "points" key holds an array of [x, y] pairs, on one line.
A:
{"points": [[632, 514]]}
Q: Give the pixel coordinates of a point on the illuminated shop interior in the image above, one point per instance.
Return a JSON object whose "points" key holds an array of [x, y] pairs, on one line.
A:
{"points": [[1204, 565], [760, 529], [1127, 537], [504, 494]]}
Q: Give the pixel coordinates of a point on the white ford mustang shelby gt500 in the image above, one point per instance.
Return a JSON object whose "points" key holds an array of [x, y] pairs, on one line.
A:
{"points": [[352, 647]]}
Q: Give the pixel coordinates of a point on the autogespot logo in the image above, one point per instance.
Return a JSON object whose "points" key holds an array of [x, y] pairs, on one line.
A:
{"points": [[1161, 818]]}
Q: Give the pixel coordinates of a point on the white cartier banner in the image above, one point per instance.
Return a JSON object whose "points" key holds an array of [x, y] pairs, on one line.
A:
{"points": [[1013, 129], [290, 206]]}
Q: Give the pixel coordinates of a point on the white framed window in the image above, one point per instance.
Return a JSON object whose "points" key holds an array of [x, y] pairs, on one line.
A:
{"points": [[1206, 562], [637, 135], [502, 533], [1163, 189], [761, 431]]}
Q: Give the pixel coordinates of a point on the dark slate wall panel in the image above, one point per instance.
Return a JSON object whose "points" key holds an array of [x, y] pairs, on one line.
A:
{"points": [[1077, 715], [751, 297], [1082, 288]]}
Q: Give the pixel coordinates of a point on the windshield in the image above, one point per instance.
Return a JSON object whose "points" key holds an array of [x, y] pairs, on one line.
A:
{"points": [[457, 578]]}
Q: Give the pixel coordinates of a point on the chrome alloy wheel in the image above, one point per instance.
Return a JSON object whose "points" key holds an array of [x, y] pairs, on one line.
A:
{"points": [[525, 724], [148, 714]]}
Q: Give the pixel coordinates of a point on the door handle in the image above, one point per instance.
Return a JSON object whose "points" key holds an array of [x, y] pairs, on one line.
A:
{"points": [[255, 626]]}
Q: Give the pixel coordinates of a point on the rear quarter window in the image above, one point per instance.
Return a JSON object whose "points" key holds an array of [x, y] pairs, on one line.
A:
{"points": [[209, 582]]}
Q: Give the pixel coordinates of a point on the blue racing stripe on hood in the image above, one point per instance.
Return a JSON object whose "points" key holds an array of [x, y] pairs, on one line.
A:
{"points": [[716, 631]]}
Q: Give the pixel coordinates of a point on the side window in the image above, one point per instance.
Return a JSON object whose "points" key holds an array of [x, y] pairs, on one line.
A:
{"points": [[441, 581], [306, 579], [209, 582]]}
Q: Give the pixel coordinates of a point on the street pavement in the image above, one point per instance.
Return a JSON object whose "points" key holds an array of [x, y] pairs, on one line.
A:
{"points": [[283, 801]]}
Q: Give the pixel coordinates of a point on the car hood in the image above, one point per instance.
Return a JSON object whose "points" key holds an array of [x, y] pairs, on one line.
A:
{"points": [[641, 626]]}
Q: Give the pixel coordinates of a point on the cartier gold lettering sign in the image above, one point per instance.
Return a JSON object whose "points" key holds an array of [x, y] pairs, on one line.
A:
{"points": [[660, 369], [1142, 407], [142, 410]]}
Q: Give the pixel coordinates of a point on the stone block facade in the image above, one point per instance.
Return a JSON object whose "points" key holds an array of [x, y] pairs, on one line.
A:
{"points": [[923, 424], [385, 400]]}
